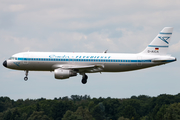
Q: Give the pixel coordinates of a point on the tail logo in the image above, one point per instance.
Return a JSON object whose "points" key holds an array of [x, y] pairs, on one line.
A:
{"points": [[164, 39]]}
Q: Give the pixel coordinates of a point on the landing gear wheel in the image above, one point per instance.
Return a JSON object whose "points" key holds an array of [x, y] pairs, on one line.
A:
{"points": [[26, 73], [25, 78], [84, 79]]}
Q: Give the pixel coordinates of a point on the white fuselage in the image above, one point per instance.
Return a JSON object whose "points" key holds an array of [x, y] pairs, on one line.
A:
{"points": [[109, 62]]}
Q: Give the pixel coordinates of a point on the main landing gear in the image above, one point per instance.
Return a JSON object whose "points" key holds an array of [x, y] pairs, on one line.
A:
{"points": [[26, 73], [84, 78]]}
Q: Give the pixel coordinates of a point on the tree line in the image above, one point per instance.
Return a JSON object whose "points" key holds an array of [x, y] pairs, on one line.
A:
{"points": [[76, 107]]}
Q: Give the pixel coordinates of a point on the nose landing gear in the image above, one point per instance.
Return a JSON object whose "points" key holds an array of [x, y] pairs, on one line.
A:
{"points": [[26, 73], [84, 78]]}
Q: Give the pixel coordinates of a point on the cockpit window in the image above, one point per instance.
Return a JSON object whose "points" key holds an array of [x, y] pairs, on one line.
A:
{"points": [[13, 58]]}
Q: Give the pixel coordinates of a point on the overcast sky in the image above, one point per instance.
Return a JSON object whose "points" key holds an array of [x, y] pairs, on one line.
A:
{"points": [[121, 26]]}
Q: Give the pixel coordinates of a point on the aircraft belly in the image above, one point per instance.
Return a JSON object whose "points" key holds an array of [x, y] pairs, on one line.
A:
{"points": [[107, 67], [120, 67]]}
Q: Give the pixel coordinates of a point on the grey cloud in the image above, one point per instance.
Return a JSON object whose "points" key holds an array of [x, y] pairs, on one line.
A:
{"points": [[86, 26]]}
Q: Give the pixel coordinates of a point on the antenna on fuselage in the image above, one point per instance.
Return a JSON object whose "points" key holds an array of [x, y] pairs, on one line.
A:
{"points": [[105, 51]]}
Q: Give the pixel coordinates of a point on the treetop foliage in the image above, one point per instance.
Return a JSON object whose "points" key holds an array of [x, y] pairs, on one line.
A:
{"points": [[142, 107]]}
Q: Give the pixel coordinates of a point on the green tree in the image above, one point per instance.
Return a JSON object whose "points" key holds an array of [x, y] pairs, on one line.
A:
{"points": [[98, 111], [80, 114], [161, 113], [15, 114], [172, 112], [112, 108], [122, 118], [23, 116], [91, 105], [37, 107], [2, 107], [70, 115], [38, 116], [84, 113], [7, 115], [60, 108], [129, 112], [144, 118]]}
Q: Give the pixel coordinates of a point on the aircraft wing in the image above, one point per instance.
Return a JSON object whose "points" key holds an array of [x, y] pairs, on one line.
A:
{"points": [[81, 68]]}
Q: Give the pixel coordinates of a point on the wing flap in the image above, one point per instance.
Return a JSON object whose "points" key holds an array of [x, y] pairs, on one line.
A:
{"points": [[79, 67]]}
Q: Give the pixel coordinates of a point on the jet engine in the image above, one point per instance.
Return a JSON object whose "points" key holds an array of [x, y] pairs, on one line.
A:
{"points": [[64, 74]]}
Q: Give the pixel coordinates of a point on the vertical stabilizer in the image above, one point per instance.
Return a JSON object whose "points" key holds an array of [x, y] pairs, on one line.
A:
{"points": [[160, 44]]}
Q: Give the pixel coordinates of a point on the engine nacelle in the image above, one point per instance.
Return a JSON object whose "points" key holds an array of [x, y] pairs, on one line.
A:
{"points": [[64, 74]]}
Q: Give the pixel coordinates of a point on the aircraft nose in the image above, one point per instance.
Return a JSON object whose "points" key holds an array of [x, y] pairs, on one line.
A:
{"points": [[5, 63]]}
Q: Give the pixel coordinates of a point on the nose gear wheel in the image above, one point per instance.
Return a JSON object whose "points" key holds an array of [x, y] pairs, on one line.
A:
{"points": [[26, 73]]}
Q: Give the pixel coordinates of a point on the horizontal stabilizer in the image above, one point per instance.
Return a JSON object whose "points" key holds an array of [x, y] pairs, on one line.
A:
{"points": [[169, 59]]}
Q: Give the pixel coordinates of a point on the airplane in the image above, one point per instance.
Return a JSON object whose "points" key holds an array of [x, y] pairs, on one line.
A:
{"points": [[69, 64]]}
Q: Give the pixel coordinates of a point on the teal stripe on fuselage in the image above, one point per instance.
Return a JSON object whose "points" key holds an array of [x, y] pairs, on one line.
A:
{"points": [[82, 60]]}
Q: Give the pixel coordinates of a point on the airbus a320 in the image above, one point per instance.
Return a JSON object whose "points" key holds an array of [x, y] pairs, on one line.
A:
{"points": [[66, 64]]}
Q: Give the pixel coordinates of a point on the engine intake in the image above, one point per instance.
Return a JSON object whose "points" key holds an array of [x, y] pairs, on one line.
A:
{"points": [[64, 74]]}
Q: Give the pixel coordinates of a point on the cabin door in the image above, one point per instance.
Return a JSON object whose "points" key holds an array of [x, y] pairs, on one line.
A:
{"points": [[139, 61], [25, 58]]}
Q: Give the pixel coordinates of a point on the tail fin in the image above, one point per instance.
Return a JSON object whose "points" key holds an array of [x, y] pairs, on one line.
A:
{"points": [[160, 44]]}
